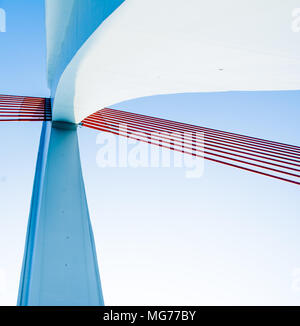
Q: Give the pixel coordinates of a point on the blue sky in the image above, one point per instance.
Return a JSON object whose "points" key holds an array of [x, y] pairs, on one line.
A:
{"points": [[228, 237], [23, 49]]}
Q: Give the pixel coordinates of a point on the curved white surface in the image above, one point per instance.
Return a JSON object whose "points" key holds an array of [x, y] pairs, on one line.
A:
{"points": [[69, 23], [58, 14], [149, 47]]}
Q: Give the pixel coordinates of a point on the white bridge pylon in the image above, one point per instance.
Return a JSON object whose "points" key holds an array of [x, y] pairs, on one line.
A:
{"points": [[60, 262]]}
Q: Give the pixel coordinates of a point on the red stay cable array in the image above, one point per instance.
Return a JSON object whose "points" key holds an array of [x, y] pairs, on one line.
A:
{"points": [[211, 144], [24, 108], [252, 154]]}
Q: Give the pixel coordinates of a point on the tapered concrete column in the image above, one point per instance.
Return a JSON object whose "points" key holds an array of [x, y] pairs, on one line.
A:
{"points": [[60, 264]]}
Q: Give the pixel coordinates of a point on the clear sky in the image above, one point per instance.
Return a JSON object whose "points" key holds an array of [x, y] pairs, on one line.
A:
{"points": [[23, 49], [228, 237]]}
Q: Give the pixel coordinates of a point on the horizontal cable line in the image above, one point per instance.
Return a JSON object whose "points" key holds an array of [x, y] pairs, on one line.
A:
{"points": [[20, 101], [208, 139], [212, 143], [213, 154], [23, 102], [195, 128], [41, 119], [193, 143], [24, 116], [22, 108], [209, 130], [20, 97], [25, 111], [200, 156], [22, 105]]}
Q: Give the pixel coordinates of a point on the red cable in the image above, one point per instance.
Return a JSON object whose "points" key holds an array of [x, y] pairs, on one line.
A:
{"points": [[208, 158]]}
